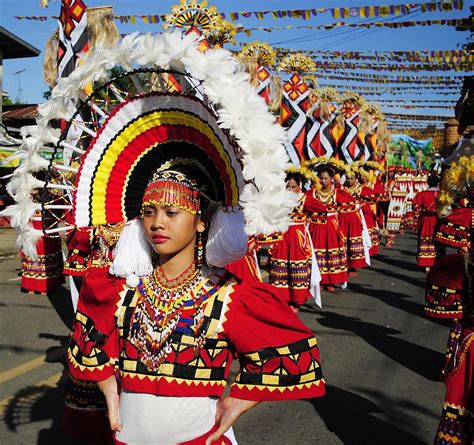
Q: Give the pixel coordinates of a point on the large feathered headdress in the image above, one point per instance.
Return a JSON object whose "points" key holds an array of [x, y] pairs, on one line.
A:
{"points": [[158, 100]]}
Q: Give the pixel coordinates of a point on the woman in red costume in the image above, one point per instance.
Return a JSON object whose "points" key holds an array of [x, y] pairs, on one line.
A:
{"points": [[293, 270], [457, 420], [329, 242], [369, 193], [424, 206], [42, 272], [188, 313], [446, 281], [158, 330], [352, 223]]}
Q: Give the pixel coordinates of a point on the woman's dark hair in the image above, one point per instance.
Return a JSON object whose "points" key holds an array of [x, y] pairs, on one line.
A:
{"points": [[433, 180], [297, 177], [325, 168]]}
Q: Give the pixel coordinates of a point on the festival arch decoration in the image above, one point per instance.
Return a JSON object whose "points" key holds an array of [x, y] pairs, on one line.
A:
{"points": [[295, 103], [321, 115], [259, 58]]}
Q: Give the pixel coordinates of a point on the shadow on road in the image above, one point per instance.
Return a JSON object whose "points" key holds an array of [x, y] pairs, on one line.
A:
{"points": [[402, 277], [42, 402], [404, 264], [423, 361], [356, 419], [397, 300]]}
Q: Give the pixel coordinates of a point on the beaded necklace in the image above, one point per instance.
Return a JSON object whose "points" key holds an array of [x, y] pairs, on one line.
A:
{"points": [[354, 190], [325, 197], [158, 312]]}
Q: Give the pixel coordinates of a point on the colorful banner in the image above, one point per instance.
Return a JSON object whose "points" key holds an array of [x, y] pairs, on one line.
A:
{"points": [[417, 117], [380, 78], [434, 88], [406, 151], [409, 107], [337, 13], [436, 101], [444, 56], [73, 38], [393, 67]]}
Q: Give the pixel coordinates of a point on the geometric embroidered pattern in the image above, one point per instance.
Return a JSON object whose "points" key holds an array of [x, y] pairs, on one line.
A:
{"points": [[284, 367], [443, 302], [456, 426], [290, 274], [331, 261], [454, 235], [90, 355], [46, 266]]}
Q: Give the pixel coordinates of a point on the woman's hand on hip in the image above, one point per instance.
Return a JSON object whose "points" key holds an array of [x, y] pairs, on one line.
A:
{"points": [[110, 389], [227, 412]]}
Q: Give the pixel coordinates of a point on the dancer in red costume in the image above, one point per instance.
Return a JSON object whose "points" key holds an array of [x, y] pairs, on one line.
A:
{"points": [[369, 193], [457, 420], [43, 272], [293, 270], [352, 222], [424, 206], [455, 229], [158, 330], [329, 241], [456, 426]]}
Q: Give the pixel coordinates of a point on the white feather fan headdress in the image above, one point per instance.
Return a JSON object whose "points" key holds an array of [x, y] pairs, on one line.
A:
{"points": [[157, 98]]}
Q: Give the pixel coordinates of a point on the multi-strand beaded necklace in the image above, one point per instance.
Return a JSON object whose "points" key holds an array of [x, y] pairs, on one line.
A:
{"points": [[158, 311], [326, 197]]}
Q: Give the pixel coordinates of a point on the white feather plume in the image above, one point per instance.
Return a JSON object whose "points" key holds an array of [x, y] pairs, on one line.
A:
{"points": [[227, 240], [132, 254], [266, 211]]}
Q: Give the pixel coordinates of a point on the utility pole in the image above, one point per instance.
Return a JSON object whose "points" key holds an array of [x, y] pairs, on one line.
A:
{"points": [[19, 96]]}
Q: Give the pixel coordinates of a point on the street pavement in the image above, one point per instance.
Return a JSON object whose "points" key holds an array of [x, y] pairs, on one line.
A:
{"points": [[381, 358]]}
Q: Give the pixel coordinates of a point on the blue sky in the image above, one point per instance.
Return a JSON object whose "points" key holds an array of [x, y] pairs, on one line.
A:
{"points": [[379, 39]]}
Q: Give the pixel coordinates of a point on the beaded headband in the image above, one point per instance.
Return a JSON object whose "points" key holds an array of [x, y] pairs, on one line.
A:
{"points": [[173, 189]]}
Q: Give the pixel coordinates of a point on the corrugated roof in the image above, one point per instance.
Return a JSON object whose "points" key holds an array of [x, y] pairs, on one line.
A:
{"points": [[12, 112]]}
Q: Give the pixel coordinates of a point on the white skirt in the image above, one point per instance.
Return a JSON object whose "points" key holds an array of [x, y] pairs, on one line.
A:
{"points": [[148, 419]]}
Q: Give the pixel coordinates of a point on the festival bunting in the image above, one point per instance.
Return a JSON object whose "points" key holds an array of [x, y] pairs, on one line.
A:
{"points": [[324, 83], [401, 78], [409, 107], [416, 116], [448, 56], [418, 100], [378, 78], [395, 25], [393, 67], [337, 13], [367, 94]]}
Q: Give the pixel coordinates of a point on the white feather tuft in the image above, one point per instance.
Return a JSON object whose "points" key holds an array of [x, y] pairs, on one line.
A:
{"points": [[266, 211], [132, 254], [227, 240]]}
